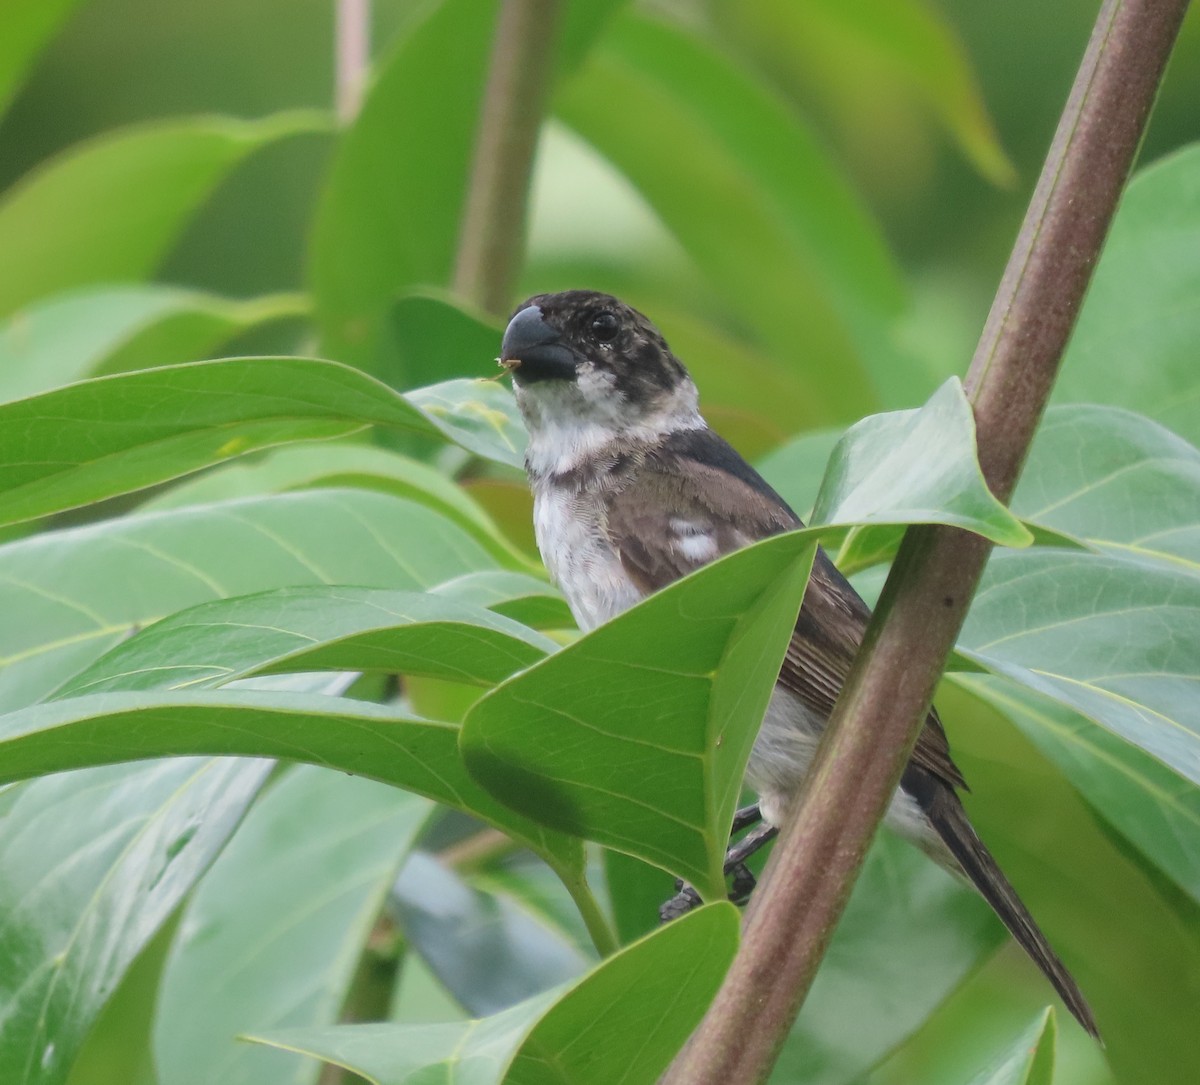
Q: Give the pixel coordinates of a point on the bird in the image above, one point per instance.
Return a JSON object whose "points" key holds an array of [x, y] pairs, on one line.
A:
{"points": [[632, 490]]}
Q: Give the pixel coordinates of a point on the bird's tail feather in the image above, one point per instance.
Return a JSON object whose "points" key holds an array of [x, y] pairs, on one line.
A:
{"points": [[945, 811]]}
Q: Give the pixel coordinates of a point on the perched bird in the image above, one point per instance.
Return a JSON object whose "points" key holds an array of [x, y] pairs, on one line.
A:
{"points": [[633, 490]]}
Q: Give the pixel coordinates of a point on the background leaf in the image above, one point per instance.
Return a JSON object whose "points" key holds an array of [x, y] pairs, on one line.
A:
{"points": [[92, 864], [593, 1034], [92, 331], [110, 209], [272, 936], [307, 629], [1029, 1060], [84, 590], [375, 741], [1134, 345]]}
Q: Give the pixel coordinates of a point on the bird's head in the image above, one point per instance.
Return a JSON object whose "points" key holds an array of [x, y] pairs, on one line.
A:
{"points": [[588, 369]]}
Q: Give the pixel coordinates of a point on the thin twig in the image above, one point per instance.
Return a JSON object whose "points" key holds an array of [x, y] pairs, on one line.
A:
{"points": [[877, 719], [491, 243], [352, 34]]}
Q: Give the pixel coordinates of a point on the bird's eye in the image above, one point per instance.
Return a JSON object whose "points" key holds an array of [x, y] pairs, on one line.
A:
{"points": [[605, 326]]}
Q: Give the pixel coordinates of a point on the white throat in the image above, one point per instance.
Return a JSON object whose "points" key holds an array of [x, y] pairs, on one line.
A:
{"points": [[573, 423]]}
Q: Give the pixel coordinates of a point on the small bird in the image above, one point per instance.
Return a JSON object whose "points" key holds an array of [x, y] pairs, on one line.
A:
{"points": [[632, 490]]}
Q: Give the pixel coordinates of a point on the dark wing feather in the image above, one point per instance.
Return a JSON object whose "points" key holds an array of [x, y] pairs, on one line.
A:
{"points": [[697, 499]]}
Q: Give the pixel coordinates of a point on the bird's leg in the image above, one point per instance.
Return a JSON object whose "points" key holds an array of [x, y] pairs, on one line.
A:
{"points": [[686, 898], [735, 861], [745, 817]]}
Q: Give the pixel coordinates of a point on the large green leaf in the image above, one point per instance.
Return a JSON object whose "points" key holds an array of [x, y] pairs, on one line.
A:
{"points": [[389, 215], [637, 735], [91, 865], [915, 466], [349, 464], [1151, 806], [480, 415], [623, 1022], [84, 333], [488, 952], [357, 737], [114, 435], [1115, 481], [1029, 1058], [910, 935], [1112, 639], [110, 208], [273, 934], [82, 591], [312, 629], [859, 50], [25, 27], [762, 210], [1135, 343]]}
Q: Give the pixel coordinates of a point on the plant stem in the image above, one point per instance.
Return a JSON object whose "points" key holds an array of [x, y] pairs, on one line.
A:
{"points": [[491, 241], [352, 34], [594, 919], [887, 694]]}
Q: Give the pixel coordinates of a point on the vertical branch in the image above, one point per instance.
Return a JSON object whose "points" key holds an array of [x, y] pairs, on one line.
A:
{"points": [[492, 238], [887, 694], [352, 36]]}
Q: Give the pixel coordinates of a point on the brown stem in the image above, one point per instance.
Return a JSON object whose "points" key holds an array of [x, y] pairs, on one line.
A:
{"points": [[352, 34], [491, 242], [887, 694]]}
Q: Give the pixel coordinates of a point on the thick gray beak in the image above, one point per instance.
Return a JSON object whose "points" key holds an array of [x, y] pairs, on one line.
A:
{"points": [[536, 349]]}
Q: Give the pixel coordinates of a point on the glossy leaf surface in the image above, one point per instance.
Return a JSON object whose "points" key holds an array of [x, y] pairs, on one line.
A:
{"points": [[91, 865], [273, 934], [558, 741], [622, 1022]]}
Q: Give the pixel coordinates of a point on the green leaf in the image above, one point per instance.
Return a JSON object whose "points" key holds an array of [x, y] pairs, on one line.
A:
{"points": [[1117, 482], [105, 329], [111, 208], [91, 865], [1154, 808], [763, 212], [436, 337], [115, 435], [860, 49], [313, 629], [357, 737], [1112, 639], [796, 468], [1029, 1059], [346, 464], [676, 686], [1135, 343], [26, 26], [479, 415], [82, 591], [623, 1022], [273, 934], [488, 953], [915, 466], [910, 935], [522, 598], [389, 215]]}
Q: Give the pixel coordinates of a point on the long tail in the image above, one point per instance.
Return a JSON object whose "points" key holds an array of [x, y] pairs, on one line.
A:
{"points": [[944, 809]]}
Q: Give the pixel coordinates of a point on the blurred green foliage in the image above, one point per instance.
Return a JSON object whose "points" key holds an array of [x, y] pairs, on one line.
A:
{"points": [[814, 199]]}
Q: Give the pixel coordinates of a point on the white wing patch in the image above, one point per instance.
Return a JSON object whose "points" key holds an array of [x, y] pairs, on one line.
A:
{"points": [[695, 540]]}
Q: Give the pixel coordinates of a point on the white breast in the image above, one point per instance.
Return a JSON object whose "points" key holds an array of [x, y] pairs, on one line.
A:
{"points": [[569, 527]]}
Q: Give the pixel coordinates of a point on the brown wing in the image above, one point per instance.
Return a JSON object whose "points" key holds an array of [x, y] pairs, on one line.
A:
{"points": [[696, 499]]}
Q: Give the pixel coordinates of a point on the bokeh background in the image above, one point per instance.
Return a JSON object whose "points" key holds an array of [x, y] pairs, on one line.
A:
{"points": [[930, 120]]}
